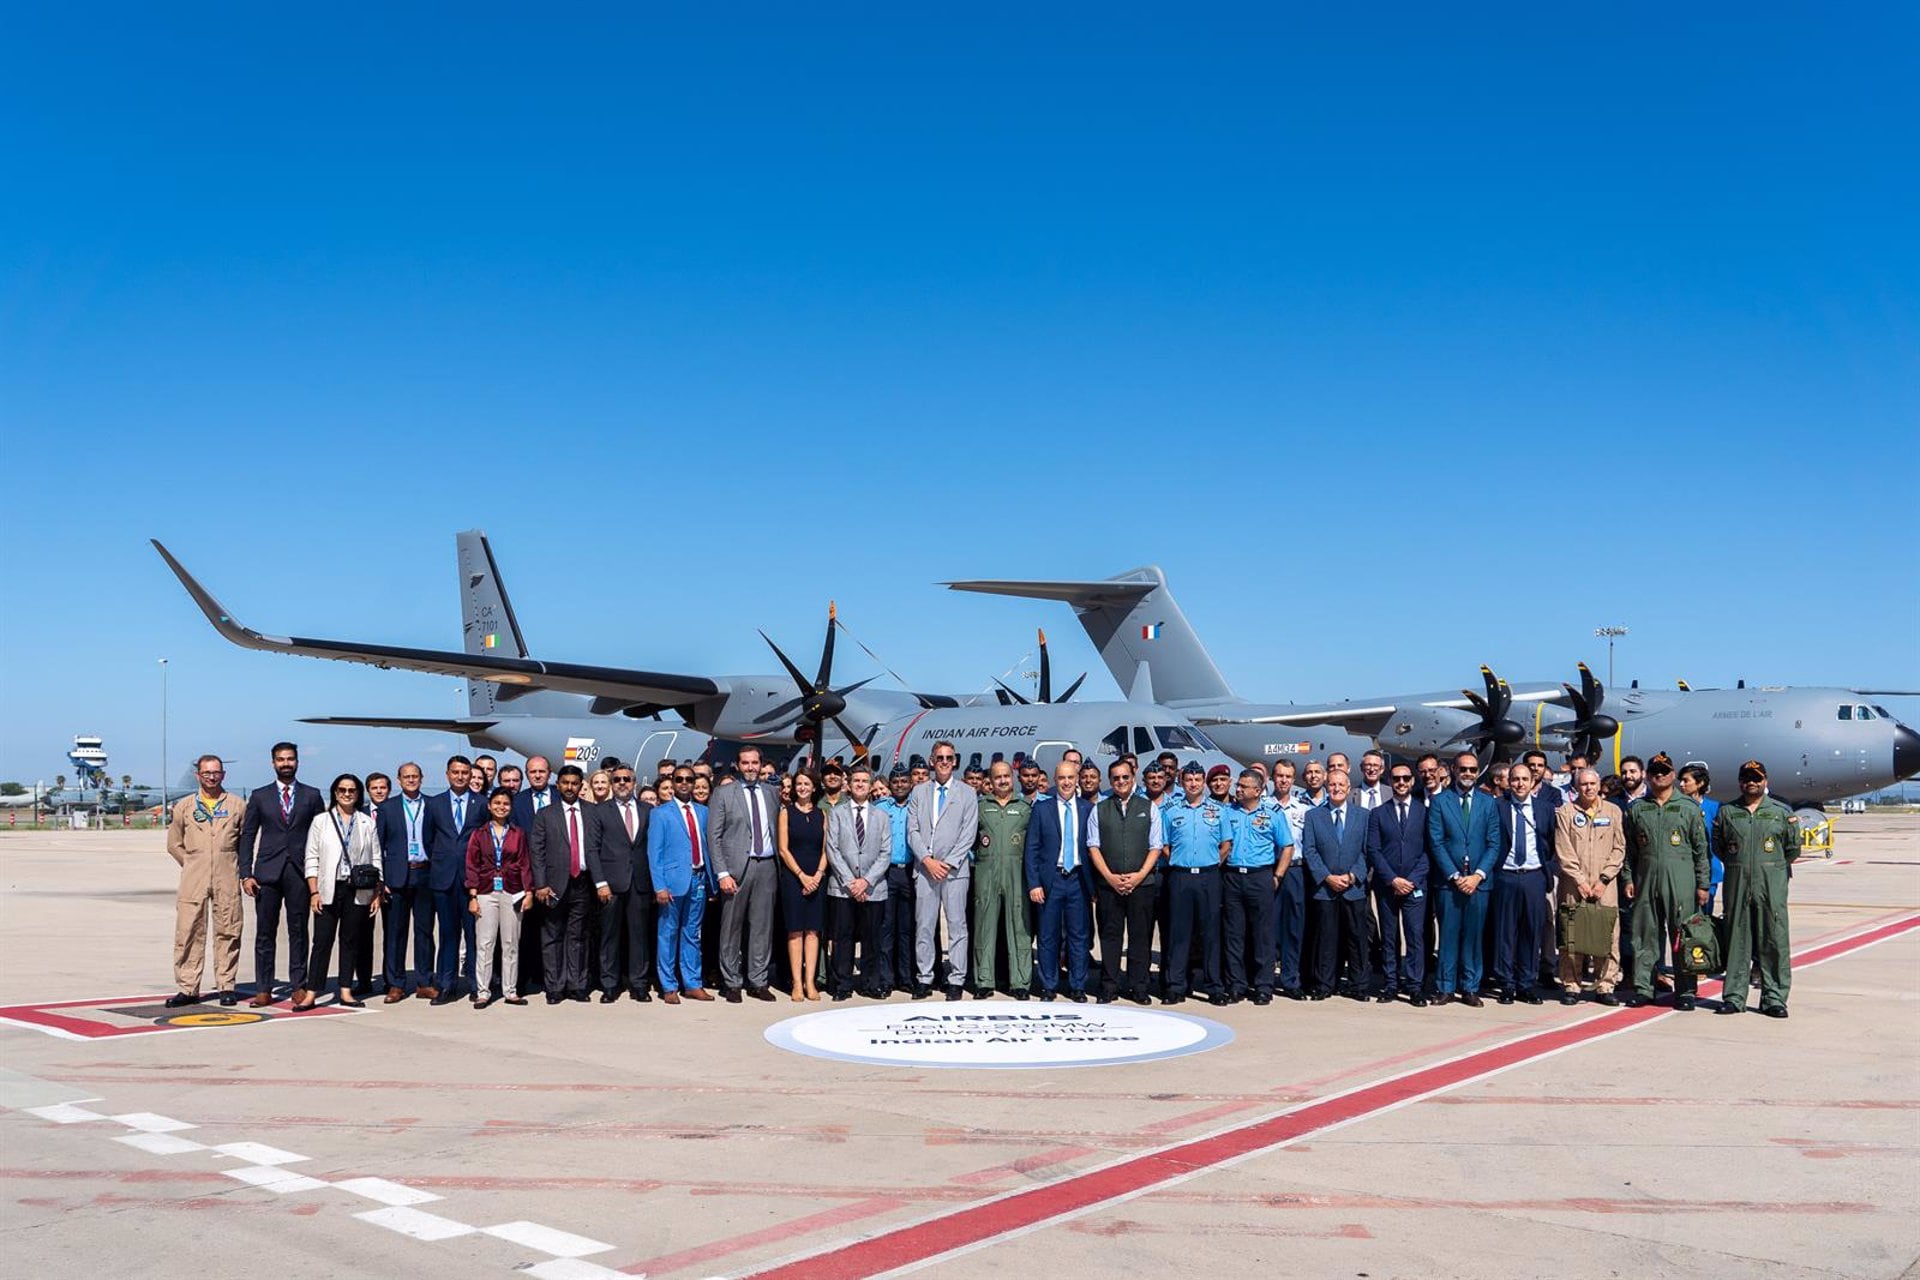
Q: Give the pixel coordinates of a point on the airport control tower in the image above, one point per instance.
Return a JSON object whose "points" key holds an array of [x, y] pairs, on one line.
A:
{"points": [[89, 761]]}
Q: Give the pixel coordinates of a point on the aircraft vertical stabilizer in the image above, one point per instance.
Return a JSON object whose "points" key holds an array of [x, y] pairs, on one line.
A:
{"points": [[487, 618], [1132, 619]]}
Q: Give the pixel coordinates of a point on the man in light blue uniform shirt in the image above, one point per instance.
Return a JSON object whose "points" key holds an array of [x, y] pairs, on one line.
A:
{"points": [[1290, 899], [896, 925], [1251, 887], [1199, 833]]}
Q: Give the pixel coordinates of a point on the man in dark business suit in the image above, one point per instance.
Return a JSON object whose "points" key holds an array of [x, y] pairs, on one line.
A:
{"points": [[1520, 913], [539, 793], [452, 818], [560, 884], [273, 868], [617, 865], [1056, 855], [1335, 850], [402, 826], [1397, 854]]}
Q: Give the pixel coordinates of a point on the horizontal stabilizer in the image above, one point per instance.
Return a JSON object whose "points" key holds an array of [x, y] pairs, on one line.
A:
{"points": [[455, 724]]}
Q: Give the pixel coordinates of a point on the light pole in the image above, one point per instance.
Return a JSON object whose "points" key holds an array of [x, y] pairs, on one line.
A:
{"points": [[163, 736], [1610, 634]]}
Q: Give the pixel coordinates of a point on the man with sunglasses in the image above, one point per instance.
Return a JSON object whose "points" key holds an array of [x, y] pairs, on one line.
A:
{"points": [[1463, 839], [1759, 839], [943, 821], [617, 865], [203, 837], [682, 876], [1667, 849], [1397, 854]]}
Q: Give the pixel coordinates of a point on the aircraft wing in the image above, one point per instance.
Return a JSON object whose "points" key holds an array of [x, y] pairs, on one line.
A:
{"points": [[662, 688], [454, 724], [1365, 721]]}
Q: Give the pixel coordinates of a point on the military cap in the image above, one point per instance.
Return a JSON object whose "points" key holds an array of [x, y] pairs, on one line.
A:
{"points": [[1219, 771], [1753, 771], [1193, 766], [1661, 763]]}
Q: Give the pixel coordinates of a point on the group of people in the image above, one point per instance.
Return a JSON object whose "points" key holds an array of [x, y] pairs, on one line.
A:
{"points": [[1425, 882]]}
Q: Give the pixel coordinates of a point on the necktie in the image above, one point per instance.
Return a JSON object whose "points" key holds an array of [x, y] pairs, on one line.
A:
{"points": [[1337, 824], [540, 799], [573, 837], [753, 811], [1067, 842], [1466, 806], [459, 812], [1403, 813], [626, 812], [286, 803], [693, 836], [939, 803], [859, 824]]}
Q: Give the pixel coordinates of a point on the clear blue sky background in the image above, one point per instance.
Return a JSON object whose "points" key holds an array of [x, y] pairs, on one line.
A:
{"points": [[1405, 338]]}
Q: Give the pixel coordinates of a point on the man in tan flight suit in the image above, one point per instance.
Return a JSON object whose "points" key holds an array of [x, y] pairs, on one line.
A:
{"points": [[203, 836], [1590, 843]]}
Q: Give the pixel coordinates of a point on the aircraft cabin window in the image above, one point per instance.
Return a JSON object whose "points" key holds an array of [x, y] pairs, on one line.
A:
{"points": [[1846, 713], [1175, 737], [1142, 741], [1114, 743]]}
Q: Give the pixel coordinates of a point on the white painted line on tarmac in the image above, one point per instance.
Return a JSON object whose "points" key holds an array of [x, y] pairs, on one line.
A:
{"points": [[147, 1122], [273, 1178], [257, 1153], [385, 1192], [414, 1223], [576, 1269], [161, 1144], [561, 1244], [66, 1113]]}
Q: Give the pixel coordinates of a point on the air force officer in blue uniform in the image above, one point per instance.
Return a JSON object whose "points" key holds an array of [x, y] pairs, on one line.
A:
{"points": [[1057, 873], [1463, 837]]}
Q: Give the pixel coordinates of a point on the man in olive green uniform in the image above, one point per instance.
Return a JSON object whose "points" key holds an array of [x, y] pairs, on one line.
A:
{"points": [[1000, 886], [203, 836], [1667, 845], [1758, 839]]}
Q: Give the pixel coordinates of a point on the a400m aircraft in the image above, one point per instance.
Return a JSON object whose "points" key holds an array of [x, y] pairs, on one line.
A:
{"points": [[576, 714], [1820, 743]]}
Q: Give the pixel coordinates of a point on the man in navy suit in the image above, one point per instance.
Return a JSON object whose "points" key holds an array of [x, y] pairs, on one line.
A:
{"points": [[1397, 853], [617, 863], [1056, 855], [538, 795], [1335, 849], [561, 885], [452, 818], [1463, 839], [402, 825], [273, 868], [1520, 914]]}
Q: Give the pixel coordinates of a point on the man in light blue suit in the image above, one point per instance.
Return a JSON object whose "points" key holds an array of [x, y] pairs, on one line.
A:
{"points": [[1463, 836], [682, 881], [1056, 856]]}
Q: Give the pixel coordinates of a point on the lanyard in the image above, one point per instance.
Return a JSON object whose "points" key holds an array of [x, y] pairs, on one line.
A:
{"points": [[499, 855], [413, 809], [346, 855]]}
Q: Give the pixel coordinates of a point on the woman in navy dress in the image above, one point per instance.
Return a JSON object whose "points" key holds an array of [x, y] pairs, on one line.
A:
{"points": [[803, 876]]}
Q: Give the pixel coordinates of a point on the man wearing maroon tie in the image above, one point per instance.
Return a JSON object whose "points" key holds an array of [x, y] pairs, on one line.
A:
{"points": [[682, 880], [561, 883], [272, 861]]}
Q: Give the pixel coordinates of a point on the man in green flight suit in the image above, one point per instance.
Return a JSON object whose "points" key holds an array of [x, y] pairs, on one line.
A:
{"points": [[1000, 886], [1667, 844], [1758, 839]]}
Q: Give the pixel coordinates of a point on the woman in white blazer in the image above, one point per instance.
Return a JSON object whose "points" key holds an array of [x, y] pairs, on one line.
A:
{"points": [[341, 842]]}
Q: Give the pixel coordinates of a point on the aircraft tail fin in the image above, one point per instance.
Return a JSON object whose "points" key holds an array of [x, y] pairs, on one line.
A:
{"points": [[487, 618], [1133, 620]]}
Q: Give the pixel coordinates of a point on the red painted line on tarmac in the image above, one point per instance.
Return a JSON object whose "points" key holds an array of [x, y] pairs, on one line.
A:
{"points": [[1019, 1212], [1794, 1103], [1603, 1205], [826, 1219]]}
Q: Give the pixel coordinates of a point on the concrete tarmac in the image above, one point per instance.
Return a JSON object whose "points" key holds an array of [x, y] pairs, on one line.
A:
{"points": [[585, 1141]]}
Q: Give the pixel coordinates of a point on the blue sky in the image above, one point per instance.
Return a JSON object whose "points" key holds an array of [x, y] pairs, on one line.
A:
{"points": [[1404, 338]]}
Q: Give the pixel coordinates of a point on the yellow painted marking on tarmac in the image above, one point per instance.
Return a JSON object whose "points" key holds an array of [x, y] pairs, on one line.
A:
{"points": [[213, 1019]]}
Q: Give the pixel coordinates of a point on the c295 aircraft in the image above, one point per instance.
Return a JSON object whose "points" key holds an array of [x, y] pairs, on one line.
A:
{"points": [[573, 713], [1819, 743]]}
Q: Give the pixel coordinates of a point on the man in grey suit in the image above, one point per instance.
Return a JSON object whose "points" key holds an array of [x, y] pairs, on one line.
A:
{"points": [[943, 817], [740, 831], [859, 849]]}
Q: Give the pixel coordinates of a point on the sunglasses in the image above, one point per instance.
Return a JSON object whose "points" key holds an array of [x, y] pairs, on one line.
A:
{"points": [[623, 777], [1402, 777], [346, 791]]}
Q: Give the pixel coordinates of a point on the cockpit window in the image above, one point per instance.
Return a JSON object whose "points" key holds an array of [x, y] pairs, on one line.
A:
{"points": [[1846, 712], [1863, 713], [1174, 737], [1114, 743], [1884, 713], [1142, 741]]}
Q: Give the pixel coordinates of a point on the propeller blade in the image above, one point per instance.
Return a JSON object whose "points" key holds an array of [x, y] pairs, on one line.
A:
{"points": [[781, 712], [1046, 671], [854, 744], [1073, 688], [1594, 692], [825, 677], [1009, 693], [1002, 693], [799, 681], [846, 689]]}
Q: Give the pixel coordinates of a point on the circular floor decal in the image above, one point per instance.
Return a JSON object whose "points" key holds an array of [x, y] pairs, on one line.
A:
{"points": [[1007, 1035]]}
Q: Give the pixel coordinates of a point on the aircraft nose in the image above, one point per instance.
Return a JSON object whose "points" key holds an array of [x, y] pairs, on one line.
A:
{"points": [[1906, 752]]}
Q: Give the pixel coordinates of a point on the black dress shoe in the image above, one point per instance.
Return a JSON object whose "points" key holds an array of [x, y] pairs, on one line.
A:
{"points": [[1293, 993], [1729, 1008], [646, 997], [1774, 1010], [1318, 994], [839, 996], [762, 993], [921, 992], [182, 999], [1528, 996], [1049, 997], [1106, 997], [1506, 997], [229, 998], [1261, 997], [448, 997], [551, 998], [983, 993], [1417, 1000], [1174, 998], [1683, 1003], [1385, 997], [1078, 997], [1141, 997], [608, 997], [734, 997], [1569, 997], [954, 993], [1021, 993], [1219, 1000], [1607, 998], [1636, 1001], [1471, 999]]}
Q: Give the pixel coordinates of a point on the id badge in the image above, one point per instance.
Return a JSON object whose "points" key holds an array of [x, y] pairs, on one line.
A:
{"points": [[414, 854], [499, 885]]}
